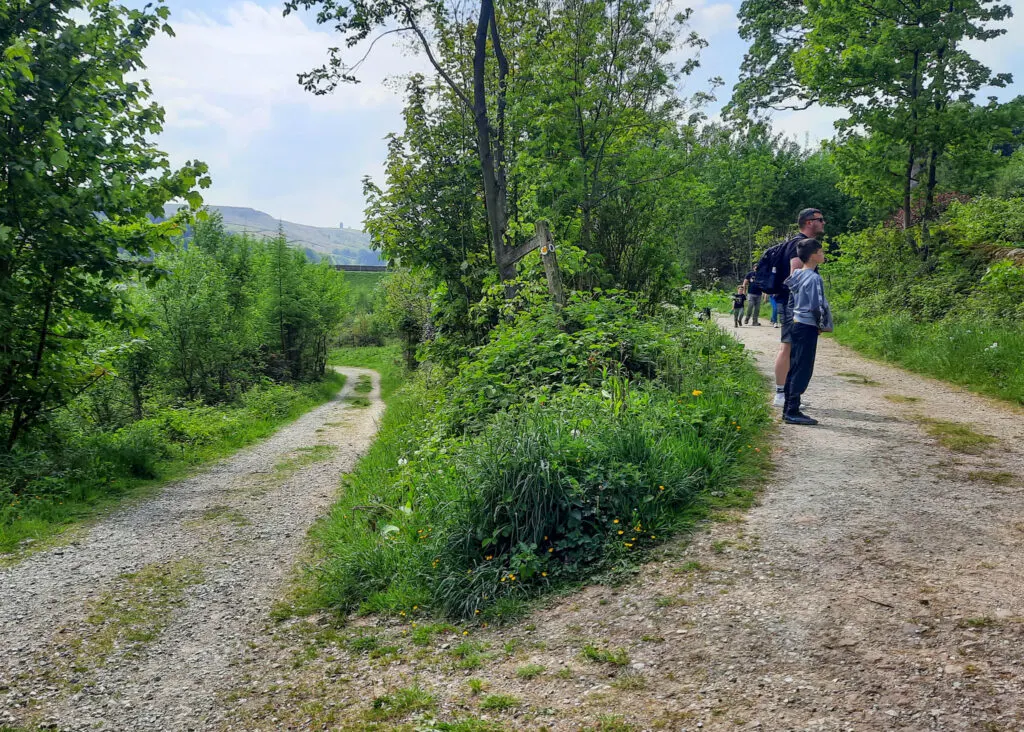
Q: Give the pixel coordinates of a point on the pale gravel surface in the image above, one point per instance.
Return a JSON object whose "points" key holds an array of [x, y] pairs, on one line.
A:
{"points": [[875, 587], [172, 683]]}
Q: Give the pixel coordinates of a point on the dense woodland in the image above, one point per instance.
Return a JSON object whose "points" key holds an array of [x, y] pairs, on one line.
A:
{"points": [[128, 349]]}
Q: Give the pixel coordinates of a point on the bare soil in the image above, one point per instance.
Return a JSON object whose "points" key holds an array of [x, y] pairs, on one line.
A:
{"points": [[878, 585]]}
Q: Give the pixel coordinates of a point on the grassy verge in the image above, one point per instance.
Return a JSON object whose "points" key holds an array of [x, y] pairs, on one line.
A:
{"points": [[361, 287], [984, 357], [558, 451], [106, 469], [385, 360]]}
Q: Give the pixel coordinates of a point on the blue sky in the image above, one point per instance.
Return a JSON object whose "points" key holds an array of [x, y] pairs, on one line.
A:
{"points": [[228, 82]]}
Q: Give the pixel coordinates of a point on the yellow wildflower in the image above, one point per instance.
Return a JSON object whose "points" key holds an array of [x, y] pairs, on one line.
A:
{"points": [[697, 392]]}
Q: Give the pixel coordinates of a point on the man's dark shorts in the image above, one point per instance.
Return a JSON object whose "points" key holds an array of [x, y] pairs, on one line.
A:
{"points": [[786, 319]]}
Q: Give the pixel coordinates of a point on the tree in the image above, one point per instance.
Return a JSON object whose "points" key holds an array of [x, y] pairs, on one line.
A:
{"points": [[78, 183], [896, 66], [356, 20]]}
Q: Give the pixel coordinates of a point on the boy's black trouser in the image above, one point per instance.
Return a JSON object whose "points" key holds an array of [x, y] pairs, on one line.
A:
{"points": [[801, 364]]}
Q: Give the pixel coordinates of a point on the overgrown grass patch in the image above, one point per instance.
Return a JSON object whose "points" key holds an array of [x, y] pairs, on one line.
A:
{"points": [[560, 450], [135, 611], [902, 399], [853, 377], [400, 703], [41, 498], [500, 702], [385, 360], [984, 356], [599, 654], [996, 477], [305, 456], [957, 436]]}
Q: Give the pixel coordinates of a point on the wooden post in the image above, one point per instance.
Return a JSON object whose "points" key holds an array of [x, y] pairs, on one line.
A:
{"points": [[550, 259]]}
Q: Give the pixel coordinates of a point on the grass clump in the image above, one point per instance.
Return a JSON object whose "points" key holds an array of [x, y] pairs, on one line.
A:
{"points": [[957, 436], [616, 657], [135, 611], [568, 445], [400, 703], [499, 702], [529, 671]]}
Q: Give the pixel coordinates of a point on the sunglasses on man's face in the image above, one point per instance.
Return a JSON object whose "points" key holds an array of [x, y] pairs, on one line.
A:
{"points": [[822, 220]]}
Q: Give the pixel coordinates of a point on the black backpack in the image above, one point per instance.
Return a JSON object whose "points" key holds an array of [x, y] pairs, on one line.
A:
{"points": [[773, 267]]}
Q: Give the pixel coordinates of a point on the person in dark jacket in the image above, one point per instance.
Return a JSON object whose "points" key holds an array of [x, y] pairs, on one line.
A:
{"points": [[812, 226], [810, 311], [754, 294]]}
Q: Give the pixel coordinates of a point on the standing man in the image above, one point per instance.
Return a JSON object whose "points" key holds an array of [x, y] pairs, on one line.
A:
{"points": [[753, 298], [812, 226]]}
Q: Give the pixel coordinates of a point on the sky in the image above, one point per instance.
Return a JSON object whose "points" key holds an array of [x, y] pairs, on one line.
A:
{"points": [[227, 81]]}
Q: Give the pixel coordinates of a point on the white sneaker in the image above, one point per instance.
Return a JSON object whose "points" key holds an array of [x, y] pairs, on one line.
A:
{"points": [[779, 400]]}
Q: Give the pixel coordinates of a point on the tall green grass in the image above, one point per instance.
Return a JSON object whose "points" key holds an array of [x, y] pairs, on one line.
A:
{"points": [[361, 289], [103, 469], [385, 360], [986, 357], [557, 451]]}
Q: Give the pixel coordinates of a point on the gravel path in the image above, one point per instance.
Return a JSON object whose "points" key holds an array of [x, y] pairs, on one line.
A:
{"points": [[139, 624], [879, 585]]}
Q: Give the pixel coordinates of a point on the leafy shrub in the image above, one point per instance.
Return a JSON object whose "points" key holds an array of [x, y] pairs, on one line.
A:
{"points": [[468, 505], [136, 450]]}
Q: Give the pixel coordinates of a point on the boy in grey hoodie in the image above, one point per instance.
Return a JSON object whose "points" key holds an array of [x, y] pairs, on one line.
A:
{"points": [[807, 298]]}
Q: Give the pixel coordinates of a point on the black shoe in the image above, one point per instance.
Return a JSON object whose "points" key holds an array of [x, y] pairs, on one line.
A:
{"points": [[799, 418]]}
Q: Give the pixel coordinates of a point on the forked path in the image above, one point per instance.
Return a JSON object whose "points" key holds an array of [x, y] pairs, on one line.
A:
{"points": [[140, 623], [878, 585]]}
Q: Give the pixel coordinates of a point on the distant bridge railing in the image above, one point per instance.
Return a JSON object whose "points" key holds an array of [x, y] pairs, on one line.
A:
{"points": [[361, 267]]}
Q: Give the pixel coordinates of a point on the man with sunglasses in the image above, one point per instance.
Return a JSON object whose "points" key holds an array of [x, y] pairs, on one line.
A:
{"points": [[812, 226]]}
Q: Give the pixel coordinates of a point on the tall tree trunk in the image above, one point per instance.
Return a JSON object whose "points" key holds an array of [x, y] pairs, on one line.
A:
{"points": [[939, 94], [494, 192], [912, 153]]}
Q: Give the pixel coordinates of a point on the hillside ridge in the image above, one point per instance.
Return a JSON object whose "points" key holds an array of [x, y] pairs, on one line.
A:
{"points": [[340, 245]]}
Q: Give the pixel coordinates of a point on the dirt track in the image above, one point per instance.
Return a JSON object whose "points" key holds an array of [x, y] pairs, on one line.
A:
{"points": [[83, 645], [878, 585]]}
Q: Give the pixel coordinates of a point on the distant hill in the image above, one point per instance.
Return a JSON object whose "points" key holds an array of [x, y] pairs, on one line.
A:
{"points": [[341, 246]]}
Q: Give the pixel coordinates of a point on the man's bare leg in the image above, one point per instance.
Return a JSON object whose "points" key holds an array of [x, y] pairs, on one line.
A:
{"points": [[782, 364]]}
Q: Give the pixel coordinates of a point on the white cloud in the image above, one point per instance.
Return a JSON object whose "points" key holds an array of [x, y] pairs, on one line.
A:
{"points": [[714, 19], [808, 126], [228, 83], [230, 72]]}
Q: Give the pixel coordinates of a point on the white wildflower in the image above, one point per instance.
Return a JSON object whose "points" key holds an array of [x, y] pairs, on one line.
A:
{"points": [[402, 461]]}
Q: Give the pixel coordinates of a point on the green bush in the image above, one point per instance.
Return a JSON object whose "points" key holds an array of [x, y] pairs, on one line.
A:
{"points": [[953, 309], [559, 449]]}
